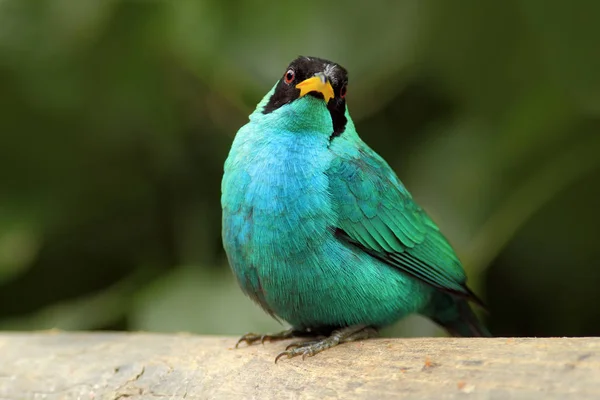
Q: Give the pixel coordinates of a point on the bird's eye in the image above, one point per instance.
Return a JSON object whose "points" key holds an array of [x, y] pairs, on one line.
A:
{"points": [[289, 76], [343, 91]]}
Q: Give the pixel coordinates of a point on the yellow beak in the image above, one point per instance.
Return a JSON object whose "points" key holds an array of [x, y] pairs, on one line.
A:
{"points": [[318, 83]]}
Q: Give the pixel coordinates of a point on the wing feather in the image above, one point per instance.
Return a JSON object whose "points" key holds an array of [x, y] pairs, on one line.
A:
{"points": [[378, 214]]}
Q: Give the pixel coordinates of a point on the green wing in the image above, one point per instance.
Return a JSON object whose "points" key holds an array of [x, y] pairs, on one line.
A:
{"points": [[378, 214]]}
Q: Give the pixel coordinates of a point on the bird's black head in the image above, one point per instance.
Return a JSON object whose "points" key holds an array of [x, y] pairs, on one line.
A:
{"points": [[315, 77]]}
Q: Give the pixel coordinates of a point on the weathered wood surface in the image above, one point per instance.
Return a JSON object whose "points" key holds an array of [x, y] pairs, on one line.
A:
{"points": [[54, 365]]}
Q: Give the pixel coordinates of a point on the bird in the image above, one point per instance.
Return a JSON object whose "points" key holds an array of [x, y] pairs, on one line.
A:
{"points": [[319, 230]]}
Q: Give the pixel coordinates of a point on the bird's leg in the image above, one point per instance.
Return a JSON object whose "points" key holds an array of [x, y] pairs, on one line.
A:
{"points": [[344, 335], [251, 338]]}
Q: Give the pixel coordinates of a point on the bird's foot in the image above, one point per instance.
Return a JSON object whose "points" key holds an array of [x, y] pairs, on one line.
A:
{"points": [[344, 335], [251, 338]]}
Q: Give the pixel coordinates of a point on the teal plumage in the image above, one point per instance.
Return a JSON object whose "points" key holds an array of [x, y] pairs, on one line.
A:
{"points": [[319, 230]]}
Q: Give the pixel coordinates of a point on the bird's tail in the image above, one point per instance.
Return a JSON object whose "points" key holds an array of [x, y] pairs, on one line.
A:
{"points": [[457, 317]]}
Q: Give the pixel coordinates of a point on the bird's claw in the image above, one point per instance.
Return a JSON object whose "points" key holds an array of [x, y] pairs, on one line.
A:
{"points": [[292, 346], [304, 349], [307, 353], [300, 344], [310, 348], [251, 338], [283, 353]]}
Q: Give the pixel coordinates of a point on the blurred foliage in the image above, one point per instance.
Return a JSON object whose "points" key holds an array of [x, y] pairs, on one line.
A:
{"points": [[116, 117]]}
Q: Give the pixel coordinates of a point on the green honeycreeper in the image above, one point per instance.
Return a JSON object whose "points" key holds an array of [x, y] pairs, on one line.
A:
{"points": [[319, 230]]}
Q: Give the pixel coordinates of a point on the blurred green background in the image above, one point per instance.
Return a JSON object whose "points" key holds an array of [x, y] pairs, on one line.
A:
{"points": [[116, 117]]}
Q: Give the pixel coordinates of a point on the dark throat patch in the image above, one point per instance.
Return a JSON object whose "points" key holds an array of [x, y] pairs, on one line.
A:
{"points": [[304, 68]]}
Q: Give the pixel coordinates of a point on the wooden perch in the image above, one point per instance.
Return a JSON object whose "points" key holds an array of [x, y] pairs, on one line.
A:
{"points": [[55, 365]]}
